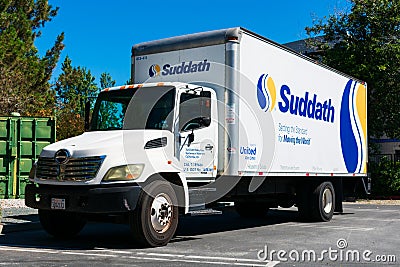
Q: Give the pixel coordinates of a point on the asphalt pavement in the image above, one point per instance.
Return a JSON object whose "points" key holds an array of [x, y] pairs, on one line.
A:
{"points": [[19, 219], [364, 234]]}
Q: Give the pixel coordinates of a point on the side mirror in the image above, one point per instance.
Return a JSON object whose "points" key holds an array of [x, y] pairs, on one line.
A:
{"points": [[205, 121], [190, 138]]}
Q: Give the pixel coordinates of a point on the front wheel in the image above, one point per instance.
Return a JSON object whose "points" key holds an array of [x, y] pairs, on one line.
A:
{"points": [[155, 219], [61, 224]]}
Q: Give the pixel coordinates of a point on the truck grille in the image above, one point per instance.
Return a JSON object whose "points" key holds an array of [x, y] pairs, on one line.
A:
{"points": [[75, 169]]}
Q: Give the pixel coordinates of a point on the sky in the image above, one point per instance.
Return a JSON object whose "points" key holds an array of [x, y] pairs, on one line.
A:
{"points": [[99, 34]]}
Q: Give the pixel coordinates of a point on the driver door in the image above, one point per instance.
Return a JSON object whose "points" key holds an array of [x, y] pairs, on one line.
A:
{"points": [[198, 135]]}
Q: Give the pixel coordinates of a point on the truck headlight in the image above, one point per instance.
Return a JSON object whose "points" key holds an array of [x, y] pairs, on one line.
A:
{"points": [[124, 173]]}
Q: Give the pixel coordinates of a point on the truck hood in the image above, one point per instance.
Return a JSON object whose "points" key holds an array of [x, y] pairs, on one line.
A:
{"points": [[118, 148], [104, 143]]}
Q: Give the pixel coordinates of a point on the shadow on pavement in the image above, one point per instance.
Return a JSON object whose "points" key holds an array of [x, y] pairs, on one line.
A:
{"points": [[115, 236]]}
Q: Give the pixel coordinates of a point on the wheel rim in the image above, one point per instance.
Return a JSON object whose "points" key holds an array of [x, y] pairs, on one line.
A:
{"points": [[161, 213], [327, 200]]}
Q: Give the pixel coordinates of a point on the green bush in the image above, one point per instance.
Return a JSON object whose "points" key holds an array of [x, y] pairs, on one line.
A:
{"points": [[0, 206], [385, 177]]}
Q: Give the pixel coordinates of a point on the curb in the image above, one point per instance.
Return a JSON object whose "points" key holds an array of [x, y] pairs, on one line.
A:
{"points": [[386, 198], [18, 220]]}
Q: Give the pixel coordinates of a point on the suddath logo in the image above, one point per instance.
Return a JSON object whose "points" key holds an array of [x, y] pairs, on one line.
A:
{"points": [[154, 70], [266, 92], [182, 68], [352, 115], [307, 106]]}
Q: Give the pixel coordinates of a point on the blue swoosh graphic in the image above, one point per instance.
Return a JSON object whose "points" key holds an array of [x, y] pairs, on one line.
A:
{"points": [[357, 127], [262, 101], [347, 138]]}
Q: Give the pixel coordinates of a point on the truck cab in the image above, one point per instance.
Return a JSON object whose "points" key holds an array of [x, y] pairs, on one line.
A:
{"points": [[146, 143]]}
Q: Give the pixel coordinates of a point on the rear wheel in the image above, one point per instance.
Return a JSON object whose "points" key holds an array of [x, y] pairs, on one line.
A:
{"points": [[155, 219], [316, 204], [248, 209], [324, 202], [61, 224]]}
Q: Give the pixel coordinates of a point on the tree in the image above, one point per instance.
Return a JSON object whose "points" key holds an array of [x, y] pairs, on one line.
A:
{"points": [[24, 75], [108, 115], [365, 43], [73, 88], [106, 80]]}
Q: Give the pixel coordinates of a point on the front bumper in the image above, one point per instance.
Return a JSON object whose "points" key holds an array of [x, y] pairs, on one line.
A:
{"points": [[84, 199]]}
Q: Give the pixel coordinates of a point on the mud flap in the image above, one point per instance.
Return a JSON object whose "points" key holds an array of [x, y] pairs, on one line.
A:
{"points": [[338, 186]]}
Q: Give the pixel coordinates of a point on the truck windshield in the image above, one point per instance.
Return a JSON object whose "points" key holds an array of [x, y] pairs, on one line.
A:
{"points": [[132, 109]]}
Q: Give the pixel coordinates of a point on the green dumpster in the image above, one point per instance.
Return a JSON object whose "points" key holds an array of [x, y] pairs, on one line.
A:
{"points": [[21, 141]]}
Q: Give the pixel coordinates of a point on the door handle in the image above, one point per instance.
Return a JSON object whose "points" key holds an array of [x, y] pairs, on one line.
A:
{"points": [[209, 147]]}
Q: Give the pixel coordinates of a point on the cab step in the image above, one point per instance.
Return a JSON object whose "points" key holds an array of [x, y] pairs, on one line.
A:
{"points": [[198, 198], [204, 212]]}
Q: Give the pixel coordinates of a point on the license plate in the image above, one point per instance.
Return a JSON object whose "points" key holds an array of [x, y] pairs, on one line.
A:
{"points": [[58, 204]]}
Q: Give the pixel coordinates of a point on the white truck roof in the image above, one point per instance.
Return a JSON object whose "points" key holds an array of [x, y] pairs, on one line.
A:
{"points": [[146, 85]]}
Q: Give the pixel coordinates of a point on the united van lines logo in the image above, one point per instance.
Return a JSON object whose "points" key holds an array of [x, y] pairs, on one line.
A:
{"points": [[182, 68], [266, 93], [353, 127], [154, 70]]}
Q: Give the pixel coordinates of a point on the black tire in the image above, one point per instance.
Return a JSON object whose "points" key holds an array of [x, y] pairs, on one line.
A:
{"points": [[154, 221], [248, 209], [313, 201], [61, 224], [324, 202]]}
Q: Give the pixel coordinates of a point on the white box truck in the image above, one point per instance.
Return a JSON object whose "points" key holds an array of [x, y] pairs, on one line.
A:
{"points": [[225, 115]]}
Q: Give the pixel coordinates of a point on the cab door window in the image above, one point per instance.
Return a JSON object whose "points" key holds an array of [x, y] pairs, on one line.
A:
{"points": [[195, 111]]}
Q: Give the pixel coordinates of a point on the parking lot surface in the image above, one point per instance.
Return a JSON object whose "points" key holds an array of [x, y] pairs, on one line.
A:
{"points": [[364, 235]]}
